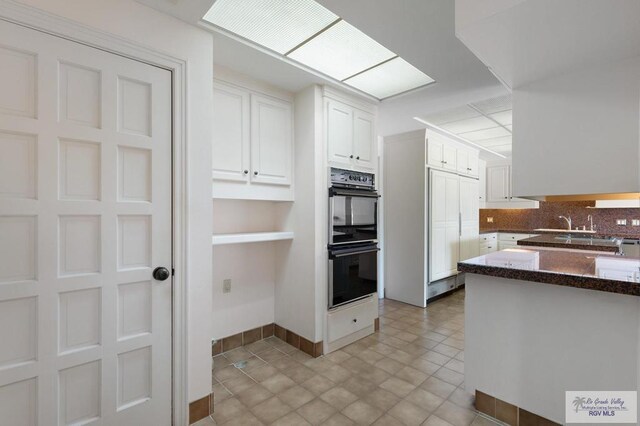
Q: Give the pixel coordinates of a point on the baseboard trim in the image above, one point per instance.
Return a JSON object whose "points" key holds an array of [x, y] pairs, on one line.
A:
{"points": [[508, 413], [241, 339], [315, 349], [201, 408]]}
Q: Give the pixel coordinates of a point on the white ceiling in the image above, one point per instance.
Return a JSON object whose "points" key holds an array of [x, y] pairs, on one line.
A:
{"points": [[486, 123], [420, 31]]}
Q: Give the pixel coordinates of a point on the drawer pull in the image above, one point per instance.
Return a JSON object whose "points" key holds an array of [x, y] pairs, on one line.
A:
{"points": [[355, 320]]}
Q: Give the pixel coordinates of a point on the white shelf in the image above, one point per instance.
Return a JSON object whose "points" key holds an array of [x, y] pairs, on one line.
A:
{"points": [[252, 237]]}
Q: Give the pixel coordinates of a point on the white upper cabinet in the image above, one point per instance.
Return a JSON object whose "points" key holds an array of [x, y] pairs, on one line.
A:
{"points": [[340, 132], [498, 188], [271, 140], [231, 136], [364, 139], [451, 156], [351, 136], [252, 152]]}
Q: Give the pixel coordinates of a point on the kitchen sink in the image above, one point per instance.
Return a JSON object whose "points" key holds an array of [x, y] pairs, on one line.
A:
{"points": [[565, 230]]}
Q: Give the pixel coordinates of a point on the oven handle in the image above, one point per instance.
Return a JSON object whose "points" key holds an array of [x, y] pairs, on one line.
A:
{"points": [[351, 253], [352, 193]]}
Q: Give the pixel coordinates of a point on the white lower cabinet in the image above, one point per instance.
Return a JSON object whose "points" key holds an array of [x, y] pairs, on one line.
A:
{"points": [[488, 243], [351, 322], [252, 146], [510, 239]]}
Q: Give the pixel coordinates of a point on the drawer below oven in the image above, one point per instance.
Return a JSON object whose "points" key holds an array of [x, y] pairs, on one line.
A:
{"points": [[351, 318]]}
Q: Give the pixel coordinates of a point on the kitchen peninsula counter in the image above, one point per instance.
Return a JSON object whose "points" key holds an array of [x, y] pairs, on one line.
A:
{"points": [[541, 321]]}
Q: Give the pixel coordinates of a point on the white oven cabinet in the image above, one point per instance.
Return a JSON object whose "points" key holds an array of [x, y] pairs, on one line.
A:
{"points": [[252, 146], [350, 322], [351, 137]]}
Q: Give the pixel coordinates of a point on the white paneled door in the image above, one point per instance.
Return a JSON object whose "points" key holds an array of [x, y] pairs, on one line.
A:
{"points": [[85, 217]]}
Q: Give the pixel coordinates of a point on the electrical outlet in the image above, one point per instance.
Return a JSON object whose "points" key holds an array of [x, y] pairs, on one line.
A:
{"points": [[226, 286], [621, 222], [490, 219], [635, 222]]}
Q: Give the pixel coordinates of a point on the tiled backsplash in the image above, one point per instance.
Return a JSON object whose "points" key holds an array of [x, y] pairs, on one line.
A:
{"points": [[547, 217]]}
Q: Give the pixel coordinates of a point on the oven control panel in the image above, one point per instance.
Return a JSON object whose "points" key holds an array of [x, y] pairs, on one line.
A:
{"points": [[349, 178]]}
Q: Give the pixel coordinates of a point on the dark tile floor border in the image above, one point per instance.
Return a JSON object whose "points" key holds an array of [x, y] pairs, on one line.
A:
{"points": [[241, 339], [508, 413], [201, 408]]}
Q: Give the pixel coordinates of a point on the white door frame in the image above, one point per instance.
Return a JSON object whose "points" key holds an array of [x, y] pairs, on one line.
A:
{"points": [[37, 19]]}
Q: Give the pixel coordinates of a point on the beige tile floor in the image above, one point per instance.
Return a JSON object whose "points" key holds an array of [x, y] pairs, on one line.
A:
{"points": [[411, 372]]}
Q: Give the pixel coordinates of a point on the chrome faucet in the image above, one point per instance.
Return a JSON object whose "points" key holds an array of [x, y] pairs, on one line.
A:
{"points": [[590, 219], [568, 219]]}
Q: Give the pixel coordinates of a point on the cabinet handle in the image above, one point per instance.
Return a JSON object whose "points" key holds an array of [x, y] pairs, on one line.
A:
{"points": [[246, 172], [358, 157], [355, 320], [351, 156], [506, 198], [255, 173], [444, 162]]}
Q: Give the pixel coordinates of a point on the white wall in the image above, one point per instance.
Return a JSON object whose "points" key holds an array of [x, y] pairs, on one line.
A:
{"points": [[300, 291], [527, 343], [251, 267], [140, 24], [578, 133]]}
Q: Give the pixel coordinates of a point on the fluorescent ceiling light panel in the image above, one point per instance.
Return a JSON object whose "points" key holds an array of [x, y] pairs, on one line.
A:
{"points": [[389, 79], [504, 117], [506, 140], [275, 24], [341, 51], [479, 135], [446, 132], [455, 114], [469, 125]]}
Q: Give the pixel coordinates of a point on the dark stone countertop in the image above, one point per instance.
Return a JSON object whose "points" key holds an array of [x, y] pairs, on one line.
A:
{"points": [[573, 242], [563, 232], [569, 268]]}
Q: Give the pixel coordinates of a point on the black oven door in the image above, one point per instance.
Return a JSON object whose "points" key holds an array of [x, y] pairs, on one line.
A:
{"points": [[353, 216], [353, 273]]}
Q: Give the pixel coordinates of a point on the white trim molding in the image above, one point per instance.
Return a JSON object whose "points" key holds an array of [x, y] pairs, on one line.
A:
{"points": [[42, 21]]}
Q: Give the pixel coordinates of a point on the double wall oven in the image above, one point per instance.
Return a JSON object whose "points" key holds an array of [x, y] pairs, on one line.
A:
{"points": [[353, 236]]}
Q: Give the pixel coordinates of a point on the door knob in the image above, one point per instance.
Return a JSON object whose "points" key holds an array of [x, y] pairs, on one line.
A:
{"points": [[246, 172], [161, 273]]}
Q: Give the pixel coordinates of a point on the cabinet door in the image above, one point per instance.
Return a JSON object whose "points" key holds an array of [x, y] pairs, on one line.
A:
{"points": [[434, 153], [498, 184], [445, 225], [469, 218], [449, 157], [364, 139], [231, 124], [271, 140], [462, 161], [339, 132], [482, 183], [473, 164]]}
